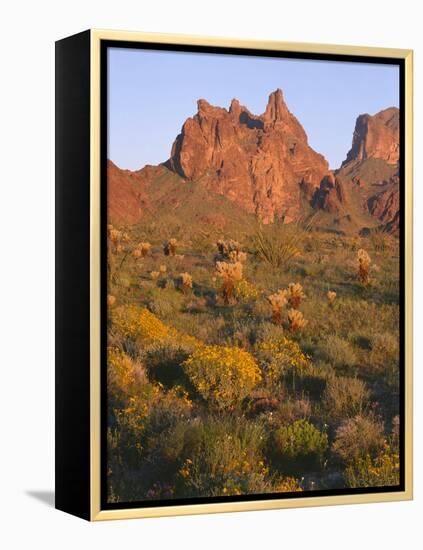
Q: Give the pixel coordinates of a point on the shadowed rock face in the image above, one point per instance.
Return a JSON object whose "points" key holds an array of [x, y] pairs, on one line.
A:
{"points": [[385, 206], [262, 163], [330, 196], [376, 137]]}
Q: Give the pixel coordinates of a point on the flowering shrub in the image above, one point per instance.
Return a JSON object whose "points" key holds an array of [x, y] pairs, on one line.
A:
{"points": [[287, 485], [222, 375], [281, 356], [134, 322], [120, 370], [223, 457], [144, 416], [245, 291], [380, 471], [138, 323]]}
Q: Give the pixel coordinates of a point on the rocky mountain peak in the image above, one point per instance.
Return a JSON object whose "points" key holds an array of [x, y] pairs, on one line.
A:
{"points": [[376, 136], [258, 161], [276, 109]]}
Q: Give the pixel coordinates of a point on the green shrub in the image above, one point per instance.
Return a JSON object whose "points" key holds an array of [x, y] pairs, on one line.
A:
{"points": [[299, 445]]}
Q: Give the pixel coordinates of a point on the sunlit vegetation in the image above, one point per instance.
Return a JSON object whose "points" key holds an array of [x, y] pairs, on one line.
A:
{"points": [[265, 360]]}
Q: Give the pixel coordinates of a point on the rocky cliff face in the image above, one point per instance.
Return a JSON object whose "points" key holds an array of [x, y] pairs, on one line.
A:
{"points": [[372, 166], [376, 137], [128, 192], [262, 163], [385, 206]]}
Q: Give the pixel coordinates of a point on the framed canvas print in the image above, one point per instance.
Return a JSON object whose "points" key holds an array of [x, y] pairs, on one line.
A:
{"points": [[234, 275]]}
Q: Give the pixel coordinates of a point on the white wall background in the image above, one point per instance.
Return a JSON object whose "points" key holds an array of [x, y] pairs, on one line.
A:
{"points": [[28, 31]]}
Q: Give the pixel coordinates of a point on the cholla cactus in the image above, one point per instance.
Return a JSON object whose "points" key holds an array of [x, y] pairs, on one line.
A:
{"points": [[363, 260], [111, 300], [186, 281], [278, 301], [169, 247], [172, 246], [114, 234], [155, 275], [230, 273], [296, 320], [145, 248], [136, 253], [115, 238], [331, 295], [237, 256], [295, 295], [179, 257], [162, 269], [226, 247]]}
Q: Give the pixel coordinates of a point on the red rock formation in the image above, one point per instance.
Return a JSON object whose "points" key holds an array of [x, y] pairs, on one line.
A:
{"points": [[262, 163], [128, 192], [376, 137], [330, 196], [385, 206]]}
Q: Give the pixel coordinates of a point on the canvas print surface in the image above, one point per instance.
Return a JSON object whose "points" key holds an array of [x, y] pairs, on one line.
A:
{"points": [[253, 276]]}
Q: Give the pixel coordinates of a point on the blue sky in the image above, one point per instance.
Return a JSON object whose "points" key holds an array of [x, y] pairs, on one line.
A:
{"points": [[152, 93]]}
